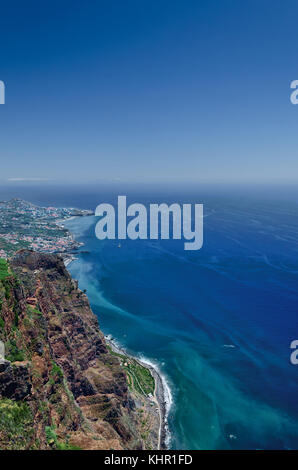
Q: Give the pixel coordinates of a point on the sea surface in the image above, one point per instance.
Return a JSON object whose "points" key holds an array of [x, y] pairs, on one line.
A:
{"points": [[217, 322]]}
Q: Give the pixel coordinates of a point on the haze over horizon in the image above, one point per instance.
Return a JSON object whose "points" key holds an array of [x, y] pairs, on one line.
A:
{"points": [[195, 91]]}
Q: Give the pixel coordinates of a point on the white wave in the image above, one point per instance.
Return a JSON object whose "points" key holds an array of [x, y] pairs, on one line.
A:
{"points": [[168, 396]]}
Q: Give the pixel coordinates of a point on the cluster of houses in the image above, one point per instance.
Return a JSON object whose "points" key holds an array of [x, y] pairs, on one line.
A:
{"points": [[18, 218], [57, 244]]}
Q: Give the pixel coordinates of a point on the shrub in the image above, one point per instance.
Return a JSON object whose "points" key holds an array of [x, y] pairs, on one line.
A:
{"points": [[16, 425]]}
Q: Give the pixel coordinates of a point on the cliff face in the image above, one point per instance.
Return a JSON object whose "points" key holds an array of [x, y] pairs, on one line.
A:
{"points": [[60, 386]]}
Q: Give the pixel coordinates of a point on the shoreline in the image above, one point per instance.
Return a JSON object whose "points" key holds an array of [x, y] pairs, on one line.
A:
{"points": [[162, 399], [159, 393], [60, 222], [68, 256], [68, 260]]}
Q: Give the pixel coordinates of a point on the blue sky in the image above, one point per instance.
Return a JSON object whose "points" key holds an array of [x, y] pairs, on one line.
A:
{"points": [[149, 90]]}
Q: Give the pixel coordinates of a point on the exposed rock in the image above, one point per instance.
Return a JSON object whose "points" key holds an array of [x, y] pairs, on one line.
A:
{"points": [[58, 362], [14, 381]]}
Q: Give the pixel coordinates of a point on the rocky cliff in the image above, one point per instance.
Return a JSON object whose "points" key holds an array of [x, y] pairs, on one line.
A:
{"points": [[60, 385]]}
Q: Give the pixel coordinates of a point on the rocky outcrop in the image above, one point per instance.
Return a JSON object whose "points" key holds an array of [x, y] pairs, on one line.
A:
{"points": [[58, 363], [14, 381]]}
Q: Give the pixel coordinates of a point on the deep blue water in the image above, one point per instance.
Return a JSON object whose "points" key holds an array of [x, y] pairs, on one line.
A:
{"points": [[218, 322]]}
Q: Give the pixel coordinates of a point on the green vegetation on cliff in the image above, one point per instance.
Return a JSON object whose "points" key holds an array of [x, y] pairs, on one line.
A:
{"points": [[53, 441], [4, 273], [16, 423], [139, 377], [60, 387], [13, 353]]}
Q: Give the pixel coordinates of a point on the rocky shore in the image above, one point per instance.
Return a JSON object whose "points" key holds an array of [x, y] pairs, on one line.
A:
{"points": [[159, 392]]}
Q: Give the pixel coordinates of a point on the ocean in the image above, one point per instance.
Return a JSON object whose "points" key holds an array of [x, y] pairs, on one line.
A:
{"points": [[217, 322]]}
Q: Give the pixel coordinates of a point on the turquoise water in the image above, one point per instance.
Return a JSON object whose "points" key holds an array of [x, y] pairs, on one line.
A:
{"points": [[217, 322]]}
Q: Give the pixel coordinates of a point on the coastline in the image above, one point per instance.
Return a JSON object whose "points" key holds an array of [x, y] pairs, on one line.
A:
{"points": [[162, 393], [159, 393], [68, 259], [60, 222], [68, 256]]}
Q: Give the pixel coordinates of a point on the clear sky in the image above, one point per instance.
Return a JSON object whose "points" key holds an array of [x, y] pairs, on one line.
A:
{"points": [[149, 90]]}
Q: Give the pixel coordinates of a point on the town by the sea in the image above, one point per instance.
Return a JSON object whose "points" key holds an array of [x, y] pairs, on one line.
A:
{"points": [[217, 322]]}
